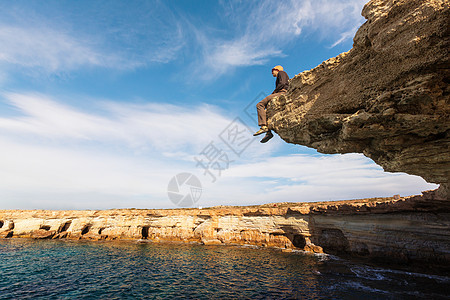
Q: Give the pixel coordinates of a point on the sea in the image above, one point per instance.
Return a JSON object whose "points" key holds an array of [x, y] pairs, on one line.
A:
{"points": [[63, 269]]}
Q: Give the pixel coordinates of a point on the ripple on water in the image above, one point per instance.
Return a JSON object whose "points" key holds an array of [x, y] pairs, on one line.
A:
{"points": [[82, 270]]}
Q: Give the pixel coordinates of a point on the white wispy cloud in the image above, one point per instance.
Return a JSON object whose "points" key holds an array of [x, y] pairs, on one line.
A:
{"points": [[39, 175], [305, 178], [107, 37], [263, 29], [126, 152], [37, 50], [158, 126], [142, 127], [33, 43], [53, 155], [46, 48], [345, 36]]}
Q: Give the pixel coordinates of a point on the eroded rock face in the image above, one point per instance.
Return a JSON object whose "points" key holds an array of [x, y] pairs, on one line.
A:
{"points": [[409, 229], [388, 97]]}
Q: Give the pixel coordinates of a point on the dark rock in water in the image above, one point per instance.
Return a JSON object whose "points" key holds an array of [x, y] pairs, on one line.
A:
{"points": [[333, 240]]}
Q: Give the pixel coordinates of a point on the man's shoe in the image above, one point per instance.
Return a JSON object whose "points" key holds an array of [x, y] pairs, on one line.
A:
{"points": [[262, 130], [268, 136]]}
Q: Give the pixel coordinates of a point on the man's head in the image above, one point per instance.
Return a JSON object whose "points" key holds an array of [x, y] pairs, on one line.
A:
{"points": [[275, 70]]}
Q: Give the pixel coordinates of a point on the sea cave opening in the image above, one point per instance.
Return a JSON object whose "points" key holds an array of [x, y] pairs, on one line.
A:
{"points": [[299, 241], [85, 229], [145, 232], [45, 227], [65, 226]]}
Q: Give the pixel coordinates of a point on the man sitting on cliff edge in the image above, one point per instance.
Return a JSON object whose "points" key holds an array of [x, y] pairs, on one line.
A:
{"points": [[281, 86]]}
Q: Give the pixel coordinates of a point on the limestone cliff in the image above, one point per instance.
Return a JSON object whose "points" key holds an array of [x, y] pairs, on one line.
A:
{"points": [[388, 97], [410, 230]]}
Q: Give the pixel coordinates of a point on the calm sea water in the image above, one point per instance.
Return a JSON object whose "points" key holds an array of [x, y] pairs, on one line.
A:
{"points": [[127, 270]]}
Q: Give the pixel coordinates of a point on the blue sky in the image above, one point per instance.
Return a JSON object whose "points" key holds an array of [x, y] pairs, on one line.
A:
{"points": [[103, 102]]}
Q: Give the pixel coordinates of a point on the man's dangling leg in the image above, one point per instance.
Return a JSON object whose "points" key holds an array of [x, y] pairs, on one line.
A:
{"points": [[261, 109]]}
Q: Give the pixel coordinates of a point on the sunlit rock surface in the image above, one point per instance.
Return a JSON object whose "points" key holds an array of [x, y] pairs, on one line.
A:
{"points": [[410, 229], [388, 97]]}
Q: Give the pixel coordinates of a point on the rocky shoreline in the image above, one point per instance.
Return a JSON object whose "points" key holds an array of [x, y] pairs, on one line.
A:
{"points": [[405, 230], [388, 98]]}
